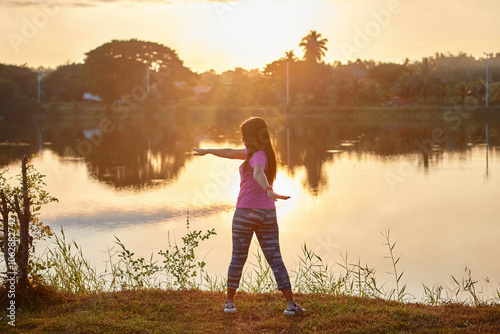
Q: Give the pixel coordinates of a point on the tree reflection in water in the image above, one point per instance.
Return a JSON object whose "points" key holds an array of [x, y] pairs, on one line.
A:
{"points": [[146, 152]]}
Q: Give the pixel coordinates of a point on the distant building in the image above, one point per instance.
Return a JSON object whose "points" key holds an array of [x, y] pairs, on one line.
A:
{"points": [[395, 101], [92, 98], [91, 133], [181, 85], [201, 92]]}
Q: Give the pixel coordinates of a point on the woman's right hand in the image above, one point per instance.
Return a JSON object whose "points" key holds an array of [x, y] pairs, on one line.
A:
{"points": [[200, 151], [274, 196]]}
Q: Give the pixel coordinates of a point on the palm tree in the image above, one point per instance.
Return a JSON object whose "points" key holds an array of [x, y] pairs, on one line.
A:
{"points": [[426, 81], [314, 46], [290, 56]]}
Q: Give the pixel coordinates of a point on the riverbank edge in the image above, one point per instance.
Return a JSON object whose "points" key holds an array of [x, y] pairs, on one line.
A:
{"points": [[194, 311], [69, 111]]}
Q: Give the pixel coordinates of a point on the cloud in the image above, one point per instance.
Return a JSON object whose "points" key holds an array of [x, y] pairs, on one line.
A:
{"points": [[38, 3], [113, 218], [93, 3]]}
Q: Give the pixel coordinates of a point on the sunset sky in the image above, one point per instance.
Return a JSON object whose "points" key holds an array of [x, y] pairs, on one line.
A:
{"points": [[222, 35]]}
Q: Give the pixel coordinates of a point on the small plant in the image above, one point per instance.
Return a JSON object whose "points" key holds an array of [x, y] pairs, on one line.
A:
{"points": [[130, 273], [179, 265], [19, 209], [433, 295], [181, 262], [399, 293], [468, 285], [64, 266]]}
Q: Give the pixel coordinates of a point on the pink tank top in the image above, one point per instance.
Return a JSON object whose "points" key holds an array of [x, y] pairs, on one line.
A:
{"points": [[251, 193]]}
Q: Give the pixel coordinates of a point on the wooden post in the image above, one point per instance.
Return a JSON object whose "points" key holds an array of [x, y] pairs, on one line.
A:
{"points": [[5, 218], [24, 221]]}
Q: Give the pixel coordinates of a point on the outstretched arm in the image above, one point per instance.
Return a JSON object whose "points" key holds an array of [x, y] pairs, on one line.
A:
{"points": [[228, 153], [261, 178]]}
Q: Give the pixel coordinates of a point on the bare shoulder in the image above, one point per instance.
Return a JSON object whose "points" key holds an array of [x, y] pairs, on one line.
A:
{"points": [[240, 153]]}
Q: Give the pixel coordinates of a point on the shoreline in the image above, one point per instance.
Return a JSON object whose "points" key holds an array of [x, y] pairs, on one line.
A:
{"points": [[71, 111], [181, 311]]}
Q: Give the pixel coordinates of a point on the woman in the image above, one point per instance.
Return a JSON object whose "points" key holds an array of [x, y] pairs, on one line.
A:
{"points": [[255, 210]]}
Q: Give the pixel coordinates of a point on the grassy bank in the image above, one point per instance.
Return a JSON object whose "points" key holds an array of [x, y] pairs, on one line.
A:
{"points": [[188, 311], [424, 113], [137, 295]]}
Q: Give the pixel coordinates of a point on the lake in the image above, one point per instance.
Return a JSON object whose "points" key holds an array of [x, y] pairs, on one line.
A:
{"points": [[434, 185]]}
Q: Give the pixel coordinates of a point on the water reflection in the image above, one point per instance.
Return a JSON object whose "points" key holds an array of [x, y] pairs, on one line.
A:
{"points": [[146, 153], [138, 156]]}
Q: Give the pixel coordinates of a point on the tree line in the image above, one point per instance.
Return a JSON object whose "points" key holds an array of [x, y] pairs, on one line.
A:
{"points": [[155, 75]]}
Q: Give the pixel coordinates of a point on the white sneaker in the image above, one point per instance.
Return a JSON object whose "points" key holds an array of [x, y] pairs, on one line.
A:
{"points": [[229, 307], [295, 309]]}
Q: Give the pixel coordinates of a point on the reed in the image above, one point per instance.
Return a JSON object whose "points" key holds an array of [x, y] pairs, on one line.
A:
{"points": [[464, 290], [359, 280], [214, 283], [468, 285], [399, 294], [64, 266], [433, 295], [312, 276], [260, 278]]}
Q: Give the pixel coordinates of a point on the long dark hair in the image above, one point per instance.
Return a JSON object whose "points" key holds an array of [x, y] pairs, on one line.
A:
{"points": [[256, 136]]}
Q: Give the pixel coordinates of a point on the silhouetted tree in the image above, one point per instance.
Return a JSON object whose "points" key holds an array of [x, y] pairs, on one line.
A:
{"points": [[314, 46], [385, 75], [290, 56], [10, 95], [24, 78], [18, 91], [64, 84], [426, 80], [120, 68]]}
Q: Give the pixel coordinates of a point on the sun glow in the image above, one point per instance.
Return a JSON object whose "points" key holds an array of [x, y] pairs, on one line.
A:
{"points": [[251, 34], [287, 184]]}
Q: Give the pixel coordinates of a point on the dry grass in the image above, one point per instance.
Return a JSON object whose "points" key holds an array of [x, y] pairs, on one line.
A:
{"points": [[169, 311]]}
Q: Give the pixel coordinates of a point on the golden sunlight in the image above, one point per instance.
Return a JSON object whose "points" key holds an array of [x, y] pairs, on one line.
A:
{"points": [[251, 34]]}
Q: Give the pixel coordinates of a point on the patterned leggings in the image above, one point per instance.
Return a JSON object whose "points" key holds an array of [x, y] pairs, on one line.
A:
{"points": [[265, 225]]}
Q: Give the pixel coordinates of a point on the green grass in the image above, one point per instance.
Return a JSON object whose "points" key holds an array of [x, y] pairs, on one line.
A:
{"points": [[172, 294], [194, 311]]}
